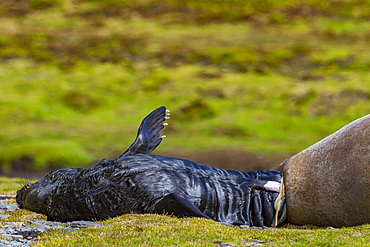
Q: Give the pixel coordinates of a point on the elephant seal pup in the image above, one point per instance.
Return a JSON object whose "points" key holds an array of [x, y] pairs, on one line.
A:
{"points": [[138, 182], [328, 184]]}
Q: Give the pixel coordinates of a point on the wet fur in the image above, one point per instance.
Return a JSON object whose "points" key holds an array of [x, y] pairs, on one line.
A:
{"points": [[138, 183]]}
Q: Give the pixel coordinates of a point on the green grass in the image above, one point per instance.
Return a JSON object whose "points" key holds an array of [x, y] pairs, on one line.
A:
{"points": [[159, 230], [162, 230], [77, 77]]}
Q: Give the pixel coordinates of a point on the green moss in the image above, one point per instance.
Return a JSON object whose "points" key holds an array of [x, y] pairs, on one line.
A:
{"points": [[157, 230]]}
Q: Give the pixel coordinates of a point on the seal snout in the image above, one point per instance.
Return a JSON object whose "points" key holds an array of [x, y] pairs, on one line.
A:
{"points": [[20, 194]]}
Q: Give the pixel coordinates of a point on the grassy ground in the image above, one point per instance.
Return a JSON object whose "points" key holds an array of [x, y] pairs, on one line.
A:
{"points": [[156, 230], [160, 230], [77, 77]]}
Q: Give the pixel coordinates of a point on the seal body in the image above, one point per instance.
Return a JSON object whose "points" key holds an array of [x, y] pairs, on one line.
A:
{"points": [[145, 183], [328, 184], [138, 182]]}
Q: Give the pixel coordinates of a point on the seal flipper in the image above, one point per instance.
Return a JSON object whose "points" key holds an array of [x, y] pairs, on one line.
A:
{"points": [[179, 206], [148, 134]]}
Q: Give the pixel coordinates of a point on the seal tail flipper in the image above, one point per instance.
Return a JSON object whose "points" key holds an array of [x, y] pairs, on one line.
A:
{"points": [[148, 135], [174, 204]]}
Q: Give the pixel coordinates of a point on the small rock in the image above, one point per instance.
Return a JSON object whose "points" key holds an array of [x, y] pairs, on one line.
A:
{"points": [[245, 227], [255, 240], [42, 228], [53, 223], [73, 229], [12, 236], [7, 236], [10, 231], [4, 216], [26, 232], [257, 227], [8, 208], [223, 244], [83, 224], [226, 224], [13, 224], [5, 242], [47, 224], [34, 222], [17, 237]]}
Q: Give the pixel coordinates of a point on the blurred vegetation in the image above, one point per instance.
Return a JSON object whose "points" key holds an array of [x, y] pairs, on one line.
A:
{"points": [[77, 76]]}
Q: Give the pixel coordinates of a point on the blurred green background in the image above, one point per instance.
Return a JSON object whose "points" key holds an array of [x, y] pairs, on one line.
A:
{"points": [[264, 77]]}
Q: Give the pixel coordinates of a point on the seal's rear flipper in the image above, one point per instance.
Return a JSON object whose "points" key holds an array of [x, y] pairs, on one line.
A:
{"points": [[148, 135], [174, 204], [264, 185]]}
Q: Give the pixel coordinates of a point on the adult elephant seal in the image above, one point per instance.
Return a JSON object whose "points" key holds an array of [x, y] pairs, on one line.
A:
{"points": [[138, 182], [328, 184]]}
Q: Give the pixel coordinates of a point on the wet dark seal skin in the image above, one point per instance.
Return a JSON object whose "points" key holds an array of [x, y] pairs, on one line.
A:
{"points": [[139, 182]]}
